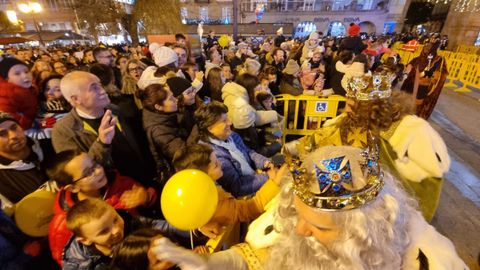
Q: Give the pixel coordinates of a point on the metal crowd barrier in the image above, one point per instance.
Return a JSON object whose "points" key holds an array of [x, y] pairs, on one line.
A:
{"points": [[463, 66], [304, 114]]}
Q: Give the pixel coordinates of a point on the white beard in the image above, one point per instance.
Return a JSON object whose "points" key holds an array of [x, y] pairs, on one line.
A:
{"points": [[292, 252]]}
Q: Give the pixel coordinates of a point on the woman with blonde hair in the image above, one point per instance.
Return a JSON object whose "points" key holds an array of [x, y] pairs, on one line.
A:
{"points": [[130, 76]]}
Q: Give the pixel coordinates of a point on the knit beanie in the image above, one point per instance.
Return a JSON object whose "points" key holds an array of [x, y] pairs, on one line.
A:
{"points": [[163, 55], [177, 85], [354, 30], [292, 67], [7, 63], [6, 117], [148, 78]]}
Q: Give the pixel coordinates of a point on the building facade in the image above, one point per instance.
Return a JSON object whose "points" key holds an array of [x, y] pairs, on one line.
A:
{"points": [[56, 15], [328, 16]]}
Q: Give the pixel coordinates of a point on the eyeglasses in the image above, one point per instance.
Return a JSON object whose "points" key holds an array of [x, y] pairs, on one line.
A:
{"points": [[90, 172], [138, 69]]}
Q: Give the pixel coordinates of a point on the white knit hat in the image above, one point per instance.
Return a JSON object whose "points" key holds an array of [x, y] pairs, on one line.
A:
{"points": [[163, 56], [148, 78]]}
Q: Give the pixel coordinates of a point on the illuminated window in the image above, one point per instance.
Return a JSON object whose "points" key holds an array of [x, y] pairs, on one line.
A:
{"points": [[204, 13]]}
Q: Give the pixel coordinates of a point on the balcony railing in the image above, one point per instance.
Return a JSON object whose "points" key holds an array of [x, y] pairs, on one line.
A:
{"points": [[312, 5]]}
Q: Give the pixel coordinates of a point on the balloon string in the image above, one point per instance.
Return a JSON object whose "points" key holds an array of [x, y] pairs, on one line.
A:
{"points": [[191, 239]]}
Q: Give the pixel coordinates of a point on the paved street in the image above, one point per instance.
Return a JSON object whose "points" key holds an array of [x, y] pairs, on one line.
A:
{"points": [[457, 119]]}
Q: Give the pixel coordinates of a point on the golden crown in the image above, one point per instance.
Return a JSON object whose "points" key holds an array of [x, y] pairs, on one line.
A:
{"points": [[334, 178], [370, 87]]}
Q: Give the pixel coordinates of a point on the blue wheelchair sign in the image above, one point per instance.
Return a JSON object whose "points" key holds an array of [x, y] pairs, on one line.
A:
{"points": [[321, 106]]}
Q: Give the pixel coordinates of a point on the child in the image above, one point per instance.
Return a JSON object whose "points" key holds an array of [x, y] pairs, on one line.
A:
{"points": [[81, 178], [97, 228], [271, 132], [229, 210], [135, 252], [17, 95]]}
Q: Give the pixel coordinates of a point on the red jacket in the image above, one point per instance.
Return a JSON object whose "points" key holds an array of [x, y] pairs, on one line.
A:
{"points": [[20, 102], [58, 234]]}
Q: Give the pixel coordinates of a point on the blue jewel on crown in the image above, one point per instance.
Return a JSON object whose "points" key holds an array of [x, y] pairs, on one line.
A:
{"points": [[333, 174]]}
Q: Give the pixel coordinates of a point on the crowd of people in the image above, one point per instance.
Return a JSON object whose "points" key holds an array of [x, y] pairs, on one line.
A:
{"points": [[105, 128]]}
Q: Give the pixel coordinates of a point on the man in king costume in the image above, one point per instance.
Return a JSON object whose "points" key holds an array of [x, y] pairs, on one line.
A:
{"points": [[337, 210], [409, 147]]}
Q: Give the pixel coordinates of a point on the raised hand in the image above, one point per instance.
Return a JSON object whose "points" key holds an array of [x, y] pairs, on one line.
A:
{"points": [[106, 130], [135, 197]]}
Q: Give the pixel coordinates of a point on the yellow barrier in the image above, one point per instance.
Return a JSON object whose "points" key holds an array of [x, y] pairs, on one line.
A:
{"points": [[454, 67], [469, 76], [463, 65], [309, 112], [470, 49]]}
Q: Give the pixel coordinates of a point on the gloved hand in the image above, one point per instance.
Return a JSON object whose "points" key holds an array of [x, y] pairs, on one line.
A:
{"points": [[185, 259]]}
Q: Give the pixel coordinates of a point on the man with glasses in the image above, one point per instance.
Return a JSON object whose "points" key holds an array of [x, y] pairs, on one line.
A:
{"points": [[104, 56], [97, 128]]}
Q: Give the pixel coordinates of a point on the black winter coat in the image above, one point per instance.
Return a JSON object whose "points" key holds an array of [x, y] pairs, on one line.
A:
{"points": [[353, 44], [164, 135]]}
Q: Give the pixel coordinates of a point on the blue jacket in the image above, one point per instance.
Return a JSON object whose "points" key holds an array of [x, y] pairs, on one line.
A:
{"points": [[12, 240], [232, 180], [77, 256], [81, 257]]}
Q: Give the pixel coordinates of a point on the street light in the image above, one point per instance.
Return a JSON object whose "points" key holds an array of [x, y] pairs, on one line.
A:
{"points": [[32, 8], [12, 16]]}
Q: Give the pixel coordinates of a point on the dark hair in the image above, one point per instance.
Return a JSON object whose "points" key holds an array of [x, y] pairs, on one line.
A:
{"points": [[345, 56], [249, 82], [214, 83], [153, 94], [196, 156], [132, 253], [362, 58], [44, 82], [55, 166], [103, 72], [207, 115], [84, 211], [162, 71], [181, 46], [117, 61], [274, 52], [97, 51], [185, 68], [210, 52], [179, 36], [271, 70]]}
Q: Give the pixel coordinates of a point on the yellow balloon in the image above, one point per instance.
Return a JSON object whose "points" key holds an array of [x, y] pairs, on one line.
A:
{"points": [[223, 41], [189, 199]]}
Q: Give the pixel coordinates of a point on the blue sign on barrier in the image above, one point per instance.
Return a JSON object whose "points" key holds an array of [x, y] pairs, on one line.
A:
{"points": [[321, 106]]}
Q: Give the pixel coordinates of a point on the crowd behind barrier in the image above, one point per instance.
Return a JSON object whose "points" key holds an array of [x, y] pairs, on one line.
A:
{"points": [[146, 112], [309, 113]]}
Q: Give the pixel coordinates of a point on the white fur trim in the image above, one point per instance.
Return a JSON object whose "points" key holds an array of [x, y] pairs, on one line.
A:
{"points": [[439, 250], [417, 145]]}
